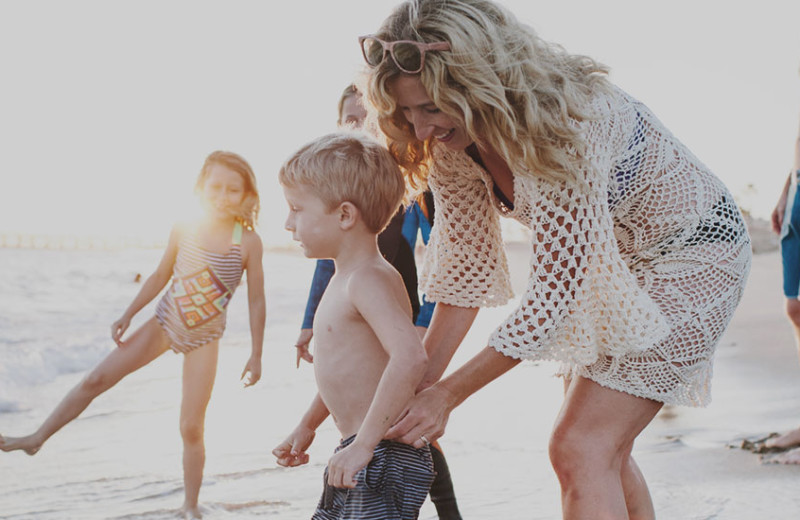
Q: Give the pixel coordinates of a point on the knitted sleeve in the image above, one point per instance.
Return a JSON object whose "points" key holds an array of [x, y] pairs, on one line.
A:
{"points": [[465, 263]]}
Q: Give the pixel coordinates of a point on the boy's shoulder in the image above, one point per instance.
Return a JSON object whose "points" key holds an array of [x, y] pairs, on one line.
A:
{"points": [[372, 278]]}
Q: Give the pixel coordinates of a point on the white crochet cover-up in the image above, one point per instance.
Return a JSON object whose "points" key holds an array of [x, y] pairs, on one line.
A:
{"points": [[632, 282]]}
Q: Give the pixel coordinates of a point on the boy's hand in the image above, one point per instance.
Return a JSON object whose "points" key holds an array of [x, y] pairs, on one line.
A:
{"points": [[302, 344], [345, 463], [292, 451], [253, 368]]}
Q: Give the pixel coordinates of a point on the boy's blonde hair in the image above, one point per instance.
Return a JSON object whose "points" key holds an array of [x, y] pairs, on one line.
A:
{"points": [[251, 202], [349, 166]]}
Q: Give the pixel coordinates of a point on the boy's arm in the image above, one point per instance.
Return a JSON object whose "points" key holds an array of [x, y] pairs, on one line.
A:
{"points": [[151, 287], [256, 305], [387, 315], [292, 451]]}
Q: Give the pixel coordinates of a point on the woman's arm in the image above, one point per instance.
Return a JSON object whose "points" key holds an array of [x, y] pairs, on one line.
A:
{"points": [[429, 411], [448, 327]]}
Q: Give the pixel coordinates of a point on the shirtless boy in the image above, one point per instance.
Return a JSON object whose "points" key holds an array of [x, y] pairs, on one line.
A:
{"points": [[342, 190]]}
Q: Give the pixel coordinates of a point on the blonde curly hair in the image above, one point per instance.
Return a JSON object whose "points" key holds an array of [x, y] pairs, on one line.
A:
{"points": [[515, 92]]}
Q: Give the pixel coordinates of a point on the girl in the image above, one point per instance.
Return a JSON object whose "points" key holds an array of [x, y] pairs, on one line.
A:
{"points": [[206, 259]]}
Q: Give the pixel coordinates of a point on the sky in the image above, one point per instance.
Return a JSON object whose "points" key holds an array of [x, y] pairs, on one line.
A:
{"points": [[108, 108]]}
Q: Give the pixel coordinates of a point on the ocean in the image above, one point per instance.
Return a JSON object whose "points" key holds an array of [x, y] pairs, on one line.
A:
{"points": [[121, 459]]}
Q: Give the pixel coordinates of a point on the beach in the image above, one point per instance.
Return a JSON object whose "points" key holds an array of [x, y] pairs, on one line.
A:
{"points": [[121, 458]]}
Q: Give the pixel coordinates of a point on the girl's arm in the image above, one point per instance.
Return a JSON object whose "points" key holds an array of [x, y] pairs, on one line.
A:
{"points": [[256, 305], [151, 287]]}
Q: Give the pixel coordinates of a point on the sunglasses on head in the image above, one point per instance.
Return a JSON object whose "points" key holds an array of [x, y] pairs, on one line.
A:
{"points": [[408, 55]]}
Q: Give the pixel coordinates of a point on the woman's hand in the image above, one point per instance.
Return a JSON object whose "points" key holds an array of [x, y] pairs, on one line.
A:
{"points": [[425, 419]]}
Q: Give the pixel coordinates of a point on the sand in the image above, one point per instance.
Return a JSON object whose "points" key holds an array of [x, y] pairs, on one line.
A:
{"points": [[122, 458]]}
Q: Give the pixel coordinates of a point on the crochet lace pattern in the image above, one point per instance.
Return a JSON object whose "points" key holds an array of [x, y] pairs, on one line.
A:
{"points": [[632, 280]]}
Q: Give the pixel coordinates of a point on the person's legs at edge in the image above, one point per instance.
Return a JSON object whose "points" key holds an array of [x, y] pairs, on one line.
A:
{"points": [[199, 371], [590, 450], [792, 437], [144, 345], [442, 493], [790, 253]]}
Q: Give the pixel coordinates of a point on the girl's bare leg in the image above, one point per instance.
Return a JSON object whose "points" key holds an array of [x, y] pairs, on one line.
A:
{"points": [[199, 371], [143, 346], [590, 450]]}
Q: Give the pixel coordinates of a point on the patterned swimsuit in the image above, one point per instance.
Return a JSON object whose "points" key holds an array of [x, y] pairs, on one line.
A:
{"points": [[193, 310]]}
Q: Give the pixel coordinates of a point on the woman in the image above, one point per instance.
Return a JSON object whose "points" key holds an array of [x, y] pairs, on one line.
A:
{"points": [[639, 253]]}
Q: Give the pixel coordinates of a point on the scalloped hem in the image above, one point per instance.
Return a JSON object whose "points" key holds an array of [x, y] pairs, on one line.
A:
{"points": [[678, 397]]}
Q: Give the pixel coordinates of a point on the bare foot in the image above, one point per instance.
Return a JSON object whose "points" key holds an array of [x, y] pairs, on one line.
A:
{"points": [[787, 457], [28, 444], [191, 513], [782, 442]]}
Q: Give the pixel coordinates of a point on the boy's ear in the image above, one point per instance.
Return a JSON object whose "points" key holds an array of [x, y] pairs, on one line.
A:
{"points": [[348, 215]]}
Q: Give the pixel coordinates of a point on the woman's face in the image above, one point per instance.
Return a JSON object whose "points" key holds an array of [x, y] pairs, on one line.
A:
{"points": [[426, 118]]}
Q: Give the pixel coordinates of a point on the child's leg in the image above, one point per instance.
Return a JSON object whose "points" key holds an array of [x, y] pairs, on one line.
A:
{"points": [[199, 370], [143, 346]]}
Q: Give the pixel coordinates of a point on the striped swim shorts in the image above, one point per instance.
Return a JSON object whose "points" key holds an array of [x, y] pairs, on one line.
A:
{"points": [[393, 486]]}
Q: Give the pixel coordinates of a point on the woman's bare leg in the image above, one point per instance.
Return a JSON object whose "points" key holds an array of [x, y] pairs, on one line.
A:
{"points": [[590, 450], [199, 371], [144, 345]]}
